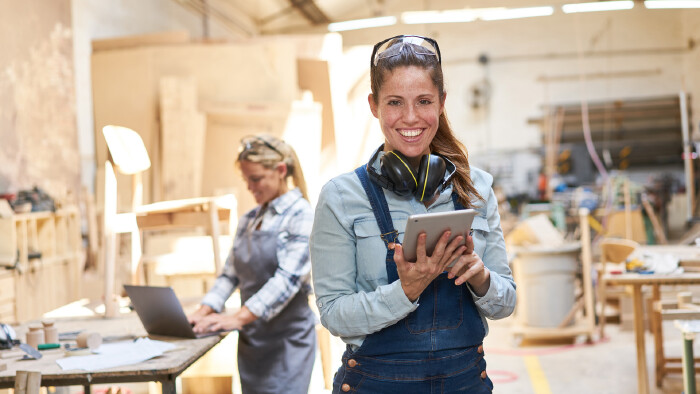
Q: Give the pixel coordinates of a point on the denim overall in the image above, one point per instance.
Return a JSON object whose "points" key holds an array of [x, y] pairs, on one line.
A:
{"points": [[435, 349]]}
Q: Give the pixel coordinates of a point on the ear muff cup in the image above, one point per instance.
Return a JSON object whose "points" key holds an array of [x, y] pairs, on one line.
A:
{"points": [[430, 175], [395, 166], [421, 184]]}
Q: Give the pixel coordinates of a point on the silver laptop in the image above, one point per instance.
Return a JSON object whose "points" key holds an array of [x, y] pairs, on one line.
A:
{"points": [[160, 312]]}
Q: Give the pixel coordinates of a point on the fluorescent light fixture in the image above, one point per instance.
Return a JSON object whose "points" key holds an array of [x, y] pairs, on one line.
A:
{"points": [[598, 6], [515, 13], [362, 23], [659, 4], [447, 16]]}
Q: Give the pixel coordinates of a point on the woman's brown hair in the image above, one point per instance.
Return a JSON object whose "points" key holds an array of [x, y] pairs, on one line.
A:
{"points": [[444, 143]]}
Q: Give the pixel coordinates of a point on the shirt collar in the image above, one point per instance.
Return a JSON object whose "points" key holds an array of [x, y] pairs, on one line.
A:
{"points": [[283, 202]]}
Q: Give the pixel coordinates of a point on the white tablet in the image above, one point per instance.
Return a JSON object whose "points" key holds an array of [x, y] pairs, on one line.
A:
{"points": [[434, 224]]}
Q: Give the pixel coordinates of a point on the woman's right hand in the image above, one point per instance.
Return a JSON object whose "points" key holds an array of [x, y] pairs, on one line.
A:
{"points": [[416, 276], [199, 314]]}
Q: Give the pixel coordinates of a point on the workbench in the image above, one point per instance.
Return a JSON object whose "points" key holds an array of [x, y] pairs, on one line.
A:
{"points": [[164, 369]]}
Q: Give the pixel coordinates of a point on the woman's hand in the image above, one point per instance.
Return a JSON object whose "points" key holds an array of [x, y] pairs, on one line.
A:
{"points": [[219, 322], [199, 314], [415, 277], [470, 268]]}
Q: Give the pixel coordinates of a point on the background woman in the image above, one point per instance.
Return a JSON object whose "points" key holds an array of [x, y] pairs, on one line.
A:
{"points": [[269, 261], [411, 327]]}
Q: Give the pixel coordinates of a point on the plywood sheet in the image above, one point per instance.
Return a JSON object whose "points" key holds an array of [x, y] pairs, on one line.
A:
{"points": [[126, 84]]}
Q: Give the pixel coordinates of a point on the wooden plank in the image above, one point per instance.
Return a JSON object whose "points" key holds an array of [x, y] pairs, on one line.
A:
{"points": [[183, 130], [7, 287], [160, 38], [176, 219], [314, 75], [8, 242]]}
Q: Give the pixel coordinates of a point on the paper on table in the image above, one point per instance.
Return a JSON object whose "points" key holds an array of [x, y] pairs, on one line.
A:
{"points": [[117, 354]]}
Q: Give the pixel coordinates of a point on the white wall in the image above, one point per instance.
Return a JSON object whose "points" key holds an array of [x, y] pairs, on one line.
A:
{"points": [[651, 42]]}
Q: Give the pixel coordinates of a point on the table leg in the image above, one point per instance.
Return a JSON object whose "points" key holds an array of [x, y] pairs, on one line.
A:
{"points": [[86, 389], [168, 386], [642, 376], [688, 364], [655, 322]]}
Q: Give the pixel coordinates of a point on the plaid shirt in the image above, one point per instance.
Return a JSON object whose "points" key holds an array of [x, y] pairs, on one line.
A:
{"points": [[293, 216]]}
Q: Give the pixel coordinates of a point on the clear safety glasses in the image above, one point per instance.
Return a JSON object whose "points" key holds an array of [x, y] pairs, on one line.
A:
{"points": [[393, 46]]}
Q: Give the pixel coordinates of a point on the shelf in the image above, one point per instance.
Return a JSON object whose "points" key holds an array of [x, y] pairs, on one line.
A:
{"points": [[42, 256]]}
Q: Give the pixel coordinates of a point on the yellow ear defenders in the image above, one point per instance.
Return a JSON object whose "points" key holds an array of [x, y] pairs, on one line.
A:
{"points": [[400, 177]]}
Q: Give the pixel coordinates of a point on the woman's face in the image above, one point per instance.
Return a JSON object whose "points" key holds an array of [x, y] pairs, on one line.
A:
{"points": [[408, 109], [264, 184]]}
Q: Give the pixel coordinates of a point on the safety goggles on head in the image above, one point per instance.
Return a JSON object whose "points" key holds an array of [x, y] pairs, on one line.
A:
{"points": [[394, 45], [252, 143]]}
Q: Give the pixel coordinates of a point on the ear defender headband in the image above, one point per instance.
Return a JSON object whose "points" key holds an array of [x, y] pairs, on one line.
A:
{"points": [[398, 176]]}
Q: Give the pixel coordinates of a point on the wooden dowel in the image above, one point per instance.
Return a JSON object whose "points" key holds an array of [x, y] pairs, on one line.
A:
{"points": [[21, 382]]}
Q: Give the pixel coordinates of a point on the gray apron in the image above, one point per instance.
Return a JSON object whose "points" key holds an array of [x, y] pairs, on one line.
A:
{"points": [[276, 356]]}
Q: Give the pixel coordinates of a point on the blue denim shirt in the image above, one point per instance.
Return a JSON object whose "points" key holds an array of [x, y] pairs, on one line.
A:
{"points": [[348, 257]]}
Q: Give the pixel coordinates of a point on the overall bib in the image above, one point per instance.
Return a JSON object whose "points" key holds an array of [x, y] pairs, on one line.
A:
{"points": [[276, 356], [435, 349]]}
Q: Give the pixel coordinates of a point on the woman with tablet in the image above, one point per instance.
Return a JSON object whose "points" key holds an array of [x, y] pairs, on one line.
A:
{"points": [[270, 264], [411, 326]]}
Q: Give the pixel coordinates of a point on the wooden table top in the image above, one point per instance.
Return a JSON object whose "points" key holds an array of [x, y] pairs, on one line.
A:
{"points": [[661, 279], [124, 327]]}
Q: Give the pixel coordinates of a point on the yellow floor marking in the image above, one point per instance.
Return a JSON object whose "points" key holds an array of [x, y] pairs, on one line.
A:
{"points": [[539, 381]]}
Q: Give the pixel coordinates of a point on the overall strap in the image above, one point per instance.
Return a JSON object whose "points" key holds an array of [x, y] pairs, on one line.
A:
{"points": [[380, 208], [455, 200]]}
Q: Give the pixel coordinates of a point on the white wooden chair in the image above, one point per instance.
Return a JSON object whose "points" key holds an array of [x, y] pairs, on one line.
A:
{"points": [[130, 157]]}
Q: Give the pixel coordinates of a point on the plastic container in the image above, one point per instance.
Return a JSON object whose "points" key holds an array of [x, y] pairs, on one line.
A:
{"points": [[546, 283]]}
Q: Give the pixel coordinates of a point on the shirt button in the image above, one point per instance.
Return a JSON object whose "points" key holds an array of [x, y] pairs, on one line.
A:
{"points": [[480, 349], [345, 387], [320, 304], [483, 374], [352, 363]]}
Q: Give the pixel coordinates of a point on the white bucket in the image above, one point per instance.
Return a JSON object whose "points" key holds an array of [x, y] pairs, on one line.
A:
{"points": [[545, 279]]}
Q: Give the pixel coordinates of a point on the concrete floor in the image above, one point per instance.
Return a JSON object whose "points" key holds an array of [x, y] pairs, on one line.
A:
{"points": [[565, 366]]}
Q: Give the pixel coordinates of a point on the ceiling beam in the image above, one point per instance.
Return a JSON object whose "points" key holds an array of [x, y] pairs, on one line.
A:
{"points": [[311, 12]]}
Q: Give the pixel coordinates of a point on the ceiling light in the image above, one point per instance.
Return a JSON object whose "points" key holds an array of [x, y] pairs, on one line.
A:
{"points": [[657, 4], [598, 6], [514, 13], [448, 16], [362, 23]]}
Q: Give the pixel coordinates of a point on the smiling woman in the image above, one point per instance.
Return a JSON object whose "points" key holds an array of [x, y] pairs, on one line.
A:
{"points": [[411, 326]]}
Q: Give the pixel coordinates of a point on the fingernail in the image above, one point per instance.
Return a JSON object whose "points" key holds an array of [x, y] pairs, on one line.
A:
{"points": [[392, 246], [450, 275]]}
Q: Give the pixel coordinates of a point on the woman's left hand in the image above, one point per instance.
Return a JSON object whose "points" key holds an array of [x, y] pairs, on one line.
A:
{"points": [[220, 322], [470, 268]]}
